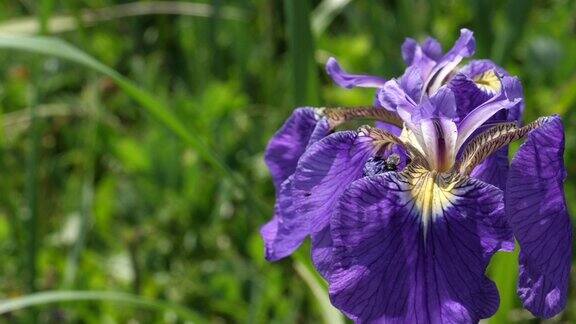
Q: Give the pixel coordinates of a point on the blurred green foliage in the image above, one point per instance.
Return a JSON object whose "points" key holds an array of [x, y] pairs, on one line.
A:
{"points": [[98, 195]]}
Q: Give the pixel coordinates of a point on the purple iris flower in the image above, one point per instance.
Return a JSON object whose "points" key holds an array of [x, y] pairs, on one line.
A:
{"points": [[404, 223]]}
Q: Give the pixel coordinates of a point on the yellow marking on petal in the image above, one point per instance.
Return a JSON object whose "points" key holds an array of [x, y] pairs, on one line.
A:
{"points": [[431, 192], [488, 82]]}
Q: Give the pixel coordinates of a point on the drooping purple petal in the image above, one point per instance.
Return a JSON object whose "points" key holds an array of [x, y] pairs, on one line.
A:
{"points": [[349, 81], [322, 251], [289, 143], [307, 198], [537, 211], [386, 270]]}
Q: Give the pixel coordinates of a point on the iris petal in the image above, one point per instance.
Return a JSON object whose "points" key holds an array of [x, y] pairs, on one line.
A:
{"points": [[349, 81], [464, 47], [536, 207], [386, 271], [469, 96], [422, 58], [494, 169], [288, 144], [308, 197], [511, 96], [432, 48]]}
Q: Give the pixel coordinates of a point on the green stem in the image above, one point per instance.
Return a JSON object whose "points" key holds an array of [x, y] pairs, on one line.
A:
{"points": [[301, 49], [32, 195]]}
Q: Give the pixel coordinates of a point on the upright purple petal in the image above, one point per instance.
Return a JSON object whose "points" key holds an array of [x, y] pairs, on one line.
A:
{"points": [[409, 48], [464, 47], [537, 211], [289, 143], [307, 198], [441, 104], [469, 96], [411, 82], [511, 96], [392, 96], [475, 68], [432, 48], [387, 269], [382, 125], [421, 58], [349, 81]]}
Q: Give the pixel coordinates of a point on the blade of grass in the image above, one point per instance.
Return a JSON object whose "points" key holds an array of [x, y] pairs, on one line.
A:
{"points": [[482, 24], [301, 51], [325, 13], [45, 11], [153, 106], [31, 188], [30, 266], [49, 297], [64, 23], [89, 140], [330, 314]]}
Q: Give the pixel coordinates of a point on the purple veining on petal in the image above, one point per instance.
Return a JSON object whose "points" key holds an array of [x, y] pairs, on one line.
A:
{"points": [[307, 198], [385, 272], [468, 95], [537, 211], [349, 81], [288, 144]]}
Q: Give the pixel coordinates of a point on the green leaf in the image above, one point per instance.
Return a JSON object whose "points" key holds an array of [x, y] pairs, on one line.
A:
{"points": [[504, 271], [49, 297], [329, 313], [305, 84]]}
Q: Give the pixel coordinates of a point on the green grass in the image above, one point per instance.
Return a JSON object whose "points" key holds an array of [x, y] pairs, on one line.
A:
{"points": [[132, 143]]}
